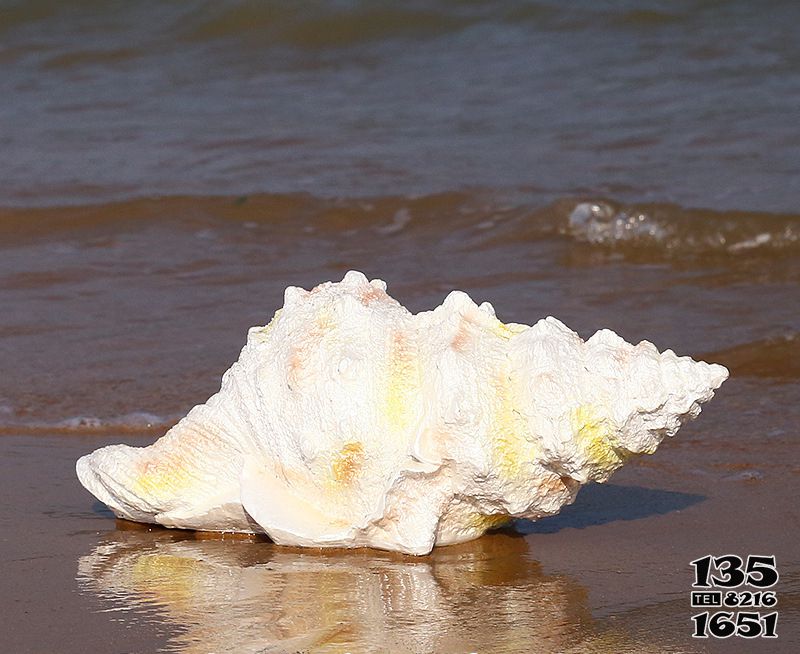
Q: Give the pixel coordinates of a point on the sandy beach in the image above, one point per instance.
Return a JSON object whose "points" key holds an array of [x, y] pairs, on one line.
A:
{"points": [[169, 169]]}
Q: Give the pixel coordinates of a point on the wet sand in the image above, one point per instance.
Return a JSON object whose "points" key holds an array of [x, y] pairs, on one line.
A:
{"points": [[609, 574]]}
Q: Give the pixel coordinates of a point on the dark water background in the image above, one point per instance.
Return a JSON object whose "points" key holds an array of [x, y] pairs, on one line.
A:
{"points": [[168, 168], [694, 102]]}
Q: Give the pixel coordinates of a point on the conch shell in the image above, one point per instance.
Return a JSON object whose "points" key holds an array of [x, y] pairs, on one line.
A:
{"points": [[350, 422]]}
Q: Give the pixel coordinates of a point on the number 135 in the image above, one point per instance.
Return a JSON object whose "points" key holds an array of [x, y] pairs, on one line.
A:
{"points": [[759, 571]]}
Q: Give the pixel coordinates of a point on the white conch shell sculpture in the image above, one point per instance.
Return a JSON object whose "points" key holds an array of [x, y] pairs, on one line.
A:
{"points": [[349, 422]]}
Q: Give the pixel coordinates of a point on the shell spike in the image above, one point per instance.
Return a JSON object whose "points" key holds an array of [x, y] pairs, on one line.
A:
{"points": [[354, 278]]}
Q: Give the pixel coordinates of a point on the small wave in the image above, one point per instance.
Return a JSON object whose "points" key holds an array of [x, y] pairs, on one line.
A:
{"points": [[601, 223], [322, 25], [138, 422], [678, 231], [296, 213], [475, 217], [98, 57], [776, 358]]}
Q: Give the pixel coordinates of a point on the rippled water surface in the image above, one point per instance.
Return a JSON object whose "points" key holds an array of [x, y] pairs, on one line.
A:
{"points": [[689, 101], [168, 168]]}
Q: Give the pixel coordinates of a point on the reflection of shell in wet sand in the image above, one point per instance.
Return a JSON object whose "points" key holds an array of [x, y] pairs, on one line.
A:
{"points": [[348, 421], [256, 597]]}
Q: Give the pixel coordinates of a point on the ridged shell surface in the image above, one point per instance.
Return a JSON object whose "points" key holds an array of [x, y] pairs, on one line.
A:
{"points": [[348, 421]]}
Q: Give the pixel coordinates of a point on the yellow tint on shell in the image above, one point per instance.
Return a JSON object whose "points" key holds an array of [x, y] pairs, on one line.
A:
{"points": [[483, 521], [264, 331], [594, 433], [160, 477], [347, 462], [507, 330], [402, 384], [508, 431], [325, 322]]}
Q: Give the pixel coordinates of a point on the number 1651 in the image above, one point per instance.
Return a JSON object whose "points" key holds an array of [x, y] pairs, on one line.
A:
{"points": [[726, 624]]}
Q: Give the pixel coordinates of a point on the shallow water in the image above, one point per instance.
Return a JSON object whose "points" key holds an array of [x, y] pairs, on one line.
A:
{"points": [[169, 168], [123, 316]]}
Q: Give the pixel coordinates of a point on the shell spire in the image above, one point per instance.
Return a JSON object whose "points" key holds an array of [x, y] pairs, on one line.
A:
{"points": [[348, 421]]}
